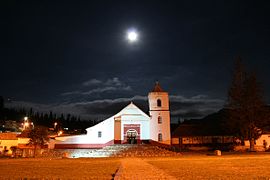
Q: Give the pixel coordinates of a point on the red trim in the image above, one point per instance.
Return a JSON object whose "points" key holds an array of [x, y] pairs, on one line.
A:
{"points": [[83, 146]]}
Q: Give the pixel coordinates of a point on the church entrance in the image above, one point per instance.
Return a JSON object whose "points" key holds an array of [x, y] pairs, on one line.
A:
{"points": [[132, 133], [131, 136]]}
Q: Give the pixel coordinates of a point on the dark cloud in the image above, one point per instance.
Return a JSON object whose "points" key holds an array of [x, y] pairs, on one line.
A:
{"points": [[180, 107], [94, 88]]}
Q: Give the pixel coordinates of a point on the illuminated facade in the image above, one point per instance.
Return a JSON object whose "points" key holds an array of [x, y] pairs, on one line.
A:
{"points": [[131, 125], [159, 111]]}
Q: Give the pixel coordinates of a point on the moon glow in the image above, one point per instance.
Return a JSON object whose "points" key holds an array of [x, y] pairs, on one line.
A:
{"points": [[132, 36]]}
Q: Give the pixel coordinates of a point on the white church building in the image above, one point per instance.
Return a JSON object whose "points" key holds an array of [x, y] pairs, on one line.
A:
{"points": [[130, 125]]}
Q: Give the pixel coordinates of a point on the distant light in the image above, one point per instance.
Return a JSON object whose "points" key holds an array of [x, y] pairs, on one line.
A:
{"points": [[132, 35], [26, 124], [25, 118], [60, 133], [55, 124]]}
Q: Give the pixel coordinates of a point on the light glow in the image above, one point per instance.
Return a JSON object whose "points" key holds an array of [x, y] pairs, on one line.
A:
{"points": [[60, 133], [132, 36], [26, 124], [55, 124]]}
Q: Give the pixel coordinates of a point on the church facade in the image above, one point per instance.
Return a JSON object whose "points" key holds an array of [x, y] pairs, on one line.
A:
{"points": [[129, 126]]}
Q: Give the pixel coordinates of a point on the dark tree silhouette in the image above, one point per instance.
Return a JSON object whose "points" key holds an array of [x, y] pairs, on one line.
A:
{"points": [[38, 137], [246, 106], [235, 98]]}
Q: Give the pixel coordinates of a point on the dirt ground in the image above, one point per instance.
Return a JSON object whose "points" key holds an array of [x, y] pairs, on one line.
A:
{"points": [[237, 166]]}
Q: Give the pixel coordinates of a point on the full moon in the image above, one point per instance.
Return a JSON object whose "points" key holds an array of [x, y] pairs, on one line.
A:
{"points": [[132, 36]]}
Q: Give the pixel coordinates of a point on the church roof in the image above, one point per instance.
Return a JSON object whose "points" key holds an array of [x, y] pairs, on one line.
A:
{"points": [[157, 88], [131, 109]]}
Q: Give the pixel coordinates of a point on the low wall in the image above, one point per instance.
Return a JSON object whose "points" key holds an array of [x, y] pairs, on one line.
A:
{"points": [[82, 146]]}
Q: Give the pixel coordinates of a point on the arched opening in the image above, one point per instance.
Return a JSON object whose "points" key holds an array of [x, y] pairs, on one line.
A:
{"points": [[159, 103], [159, 137], [159, 120], [131, 136]]}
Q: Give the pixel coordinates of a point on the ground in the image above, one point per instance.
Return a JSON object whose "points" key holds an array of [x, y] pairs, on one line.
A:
{"points": [[236, 166]]}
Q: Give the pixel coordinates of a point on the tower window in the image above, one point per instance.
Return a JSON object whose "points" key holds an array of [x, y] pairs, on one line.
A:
{"points": [[159, 120], [159, 103], [159, 137], [99, 134]]}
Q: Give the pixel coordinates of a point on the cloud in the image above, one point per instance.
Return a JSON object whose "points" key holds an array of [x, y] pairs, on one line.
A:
{"points": [[91, 82], [180, 106], [99, 86], [99, 90], [114, 82], [109, 82], [71, 93], [194, 107], [127, 88]]}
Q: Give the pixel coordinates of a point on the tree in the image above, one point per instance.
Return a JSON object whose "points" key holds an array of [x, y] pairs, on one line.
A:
{"points": [[246, 106], [235, 97], [13, 149], [38, 137], [255, 109]]}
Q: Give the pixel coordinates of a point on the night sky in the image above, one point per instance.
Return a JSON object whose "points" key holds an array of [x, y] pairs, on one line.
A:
{"points": [[73, 56]]}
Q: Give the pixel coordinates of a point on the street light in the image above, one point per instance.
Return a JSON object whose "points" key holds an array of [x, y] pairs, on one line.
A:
{"points": [[32, 124], [55, 124], [25, 123]]}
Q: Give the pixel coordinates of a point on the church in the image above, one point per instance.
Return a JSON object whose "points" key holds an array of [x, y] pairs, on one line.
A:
{"points": [[129, 126]]}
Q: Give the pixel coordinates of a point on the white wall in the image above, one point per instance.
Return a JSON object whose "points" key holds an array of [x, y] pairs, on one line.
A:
{"points": [[163, 111], [259, 141], [107, 129], [142, 120], [23, 140], [131, 114], [107, 134], [8, 144]]}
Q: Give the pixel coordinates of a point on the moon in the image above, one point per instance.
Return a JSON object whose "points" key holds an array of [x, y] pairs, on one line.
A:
{"points": [[132, 36]]}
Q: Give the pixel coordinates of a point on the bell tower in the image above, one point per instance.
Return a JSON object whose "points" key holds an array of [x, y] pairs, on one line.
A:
{"points": [[159, 115]]}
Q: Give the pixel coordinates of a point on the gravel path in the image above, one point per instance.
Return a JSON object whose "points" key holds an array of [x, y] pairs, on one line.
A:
{"points": [[136, 168]]}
